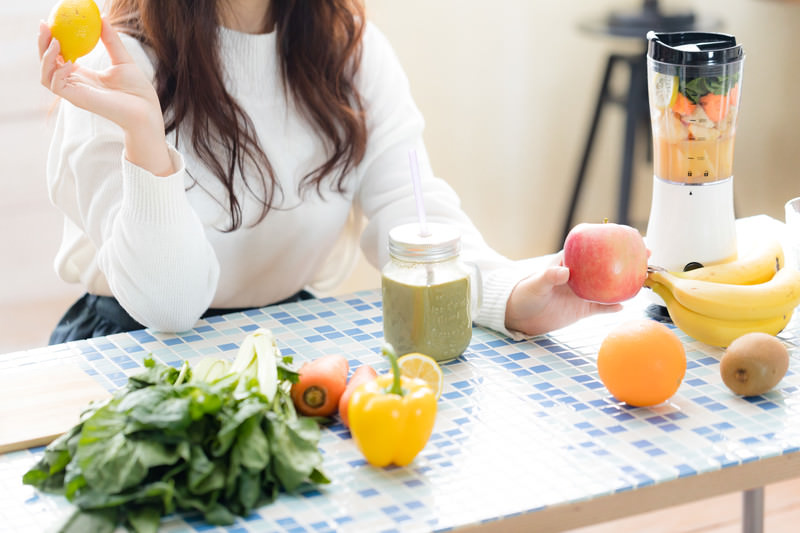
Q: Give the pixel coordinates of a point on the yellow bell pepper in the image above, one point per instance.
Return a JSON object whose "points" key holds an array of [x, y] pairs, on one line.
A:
{"points": [[392, 416]]}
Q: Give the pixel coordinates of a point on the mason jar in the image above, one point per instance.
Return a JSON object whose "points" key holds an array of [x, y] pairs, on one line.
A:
{"points": [[428, 293]]}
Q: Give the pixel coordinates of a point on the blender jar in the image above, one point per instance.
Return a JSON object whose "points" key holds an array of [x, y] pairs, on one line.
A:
{"points": [[694, 88]]}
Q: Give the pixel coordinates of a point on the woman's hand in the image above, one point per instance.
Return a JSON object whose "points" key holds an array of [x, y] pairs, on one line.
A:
{"points": [[543, 302], [120, 93]]}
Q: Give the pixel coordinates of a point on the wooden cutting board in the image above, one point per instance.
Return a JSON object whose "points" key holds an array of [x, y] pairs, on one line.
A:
{"points": [[40, 402]]}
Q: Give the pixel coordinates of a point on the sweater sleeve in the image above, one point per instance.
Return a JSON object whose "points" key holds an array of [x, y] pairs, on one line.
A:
{"points": [[386, 193], [149, 244]]}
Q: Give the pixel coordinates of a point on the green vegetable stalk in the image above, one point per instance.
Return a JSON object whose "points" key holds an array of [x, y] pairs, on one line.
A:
{"points": [[221, 440]]}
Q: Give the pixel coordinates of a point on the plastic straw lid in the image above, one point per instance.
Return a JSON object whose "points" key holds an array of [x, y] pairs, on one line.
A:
{"points": [[405, 243], [417, 183]]}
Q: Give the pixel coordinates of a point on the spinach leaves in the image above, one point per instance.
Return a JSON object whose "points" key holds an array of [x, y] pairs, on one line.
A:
{"points": [[694, 88], [166, 442]]}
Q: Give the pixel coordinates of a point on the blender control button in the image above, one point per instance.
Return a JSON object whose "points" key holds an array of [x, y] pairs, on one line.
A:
{"points": [[693, 265]]}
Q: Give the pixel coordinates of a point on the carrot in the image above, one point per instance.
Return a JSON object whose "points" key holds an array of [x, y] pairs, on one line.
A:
{"points": [[321, 384], [683, 106], [733, 95], [362, 374], [715, 106]]}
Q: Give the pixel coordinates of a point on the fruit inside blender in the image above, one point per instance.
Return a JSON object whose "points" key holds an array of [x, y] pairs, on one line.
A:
{"points": [[694, 125]]}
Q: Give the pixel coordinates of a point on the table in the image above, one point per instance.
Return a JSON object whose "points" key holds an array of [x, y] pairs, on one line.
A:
{"points": [[526, 438]]}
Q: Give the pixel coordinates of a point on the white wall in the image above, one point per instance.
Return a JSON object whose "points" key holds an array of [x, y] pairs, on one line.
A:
{"points": [[30, 229]]}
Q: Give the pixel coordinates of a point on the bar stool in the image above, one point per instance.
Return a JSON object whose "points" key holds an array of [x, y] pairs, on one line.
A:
{"points": [[634, 100]]}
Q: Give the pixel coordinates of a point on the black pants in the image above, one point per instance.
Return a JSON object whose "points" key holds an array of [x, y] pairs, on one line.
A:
{"points": [[96, 316]]}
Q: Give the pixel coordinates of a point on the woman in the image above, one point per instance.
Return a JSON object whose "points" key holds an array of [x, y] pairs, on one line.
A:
{"points": [[218, 155]]}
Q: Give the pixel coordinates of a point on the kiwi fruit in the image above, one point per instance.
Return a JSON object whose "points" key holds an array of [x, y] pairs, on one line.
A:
{"points": [[753, 364]]}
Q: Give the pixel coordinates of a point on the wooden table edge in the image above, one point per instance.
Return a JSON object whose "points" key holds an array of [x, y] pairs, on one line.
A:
{"points": [[754, 474]]}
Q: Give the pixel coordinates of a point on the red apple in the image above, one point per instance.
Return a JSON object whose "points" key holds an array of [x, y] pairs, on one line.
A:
{"points": [[607, 262]]}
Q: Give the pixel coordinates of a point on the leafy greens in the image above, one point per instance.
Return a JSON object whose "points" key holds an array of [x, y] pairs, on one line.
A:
{"points": [[694, 88], [169, 441]]}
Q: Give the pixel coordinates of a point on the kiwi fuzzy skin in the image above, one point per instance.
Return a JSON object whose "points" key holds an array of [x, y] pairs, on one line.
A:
{"points": [[754, 364]]}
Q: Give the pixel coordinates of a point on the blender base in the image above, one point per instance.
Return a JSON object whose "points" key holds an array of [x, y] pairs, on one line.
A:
{"points": [[691, 224], [658, 313]]}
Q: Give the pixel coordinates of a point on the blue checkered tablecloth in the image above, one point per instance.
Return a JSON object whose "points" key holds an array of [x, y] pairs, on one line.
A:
{"points": [[522, 426]]}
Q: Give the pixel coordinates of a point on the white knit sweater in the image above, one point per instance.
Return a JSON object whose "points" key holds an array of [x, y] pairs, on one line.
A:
{"points": [[157, 244]]}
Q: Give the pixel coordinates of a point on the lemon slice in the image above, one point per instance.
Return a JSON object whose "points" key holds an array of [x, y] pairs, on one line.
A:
{"points": [[417, 365], [665, 90]]}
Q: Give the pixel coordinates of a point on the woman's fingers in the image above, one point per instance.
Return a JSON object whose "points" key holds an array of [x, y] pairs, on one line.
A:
{"points": [[554, 276], [60, 79], [112, 42], [44, 37], [542, 282], [604, 308], [49, 62]]}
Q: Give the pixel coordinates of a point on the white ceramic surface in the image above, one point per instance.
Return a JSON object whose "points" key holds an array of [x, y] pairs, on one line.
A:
{"points": [[792, 238]]}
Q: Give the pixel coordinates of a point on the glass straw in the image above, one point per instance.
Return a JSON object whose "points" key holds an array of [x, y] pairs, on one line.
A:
{"points": [[416, 182]]}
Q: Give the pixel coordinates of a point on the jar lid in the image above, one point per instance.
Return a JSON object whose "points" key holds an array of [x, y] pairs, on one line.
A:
{"points": [[442, 242]]}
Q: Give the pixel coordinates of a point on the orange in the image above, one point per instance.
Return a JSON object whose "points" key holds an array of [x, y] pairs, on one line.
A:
{"points": [[641, 362], [76, 25]]}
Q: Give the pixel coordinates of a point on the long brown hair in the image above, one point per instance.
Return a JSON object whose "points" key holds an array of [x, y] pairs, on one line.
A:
{"points": [[319, 44]]}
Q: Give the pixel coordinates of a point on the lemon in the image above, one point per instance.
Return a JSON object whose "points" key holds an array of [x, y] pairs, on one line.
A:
{"points": [[424, 367], [665, 90], [76, 25]]}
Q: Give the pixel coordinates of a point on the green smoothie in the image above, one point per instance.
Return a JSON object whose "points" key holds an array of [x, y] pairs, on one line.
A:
{"points": [[430, 319]]}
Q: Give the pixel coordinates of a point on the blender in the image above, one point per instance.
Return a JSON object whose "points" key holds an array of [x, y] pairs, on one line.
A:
{"points": [[694, 82]]}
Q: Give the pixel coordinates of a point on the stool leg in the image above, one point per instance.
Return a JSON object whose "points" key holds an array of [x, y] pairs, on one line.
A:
{"points": [[576, 189], [633, 107], [753, 510]]}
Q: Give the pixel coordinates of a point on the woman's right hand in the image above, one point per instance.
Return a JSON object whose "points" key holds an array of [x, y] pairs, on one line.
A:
{"points": [[121, 93], [543, 302]]}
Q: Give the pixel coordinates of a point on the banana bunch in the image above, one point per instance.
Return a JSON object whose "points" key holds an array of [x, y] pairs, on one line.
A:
{"points": [[758, 266], [719, 303]]}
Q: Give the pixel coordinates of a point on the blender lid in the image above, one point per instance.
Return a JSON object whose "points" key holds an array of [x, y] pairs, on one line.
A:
{"points": [[694, 48]]}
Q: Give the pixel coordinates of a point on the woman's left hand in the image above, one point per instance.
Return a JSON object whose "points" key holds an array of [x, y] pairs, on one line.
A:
{"points": [[543, 302]]}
